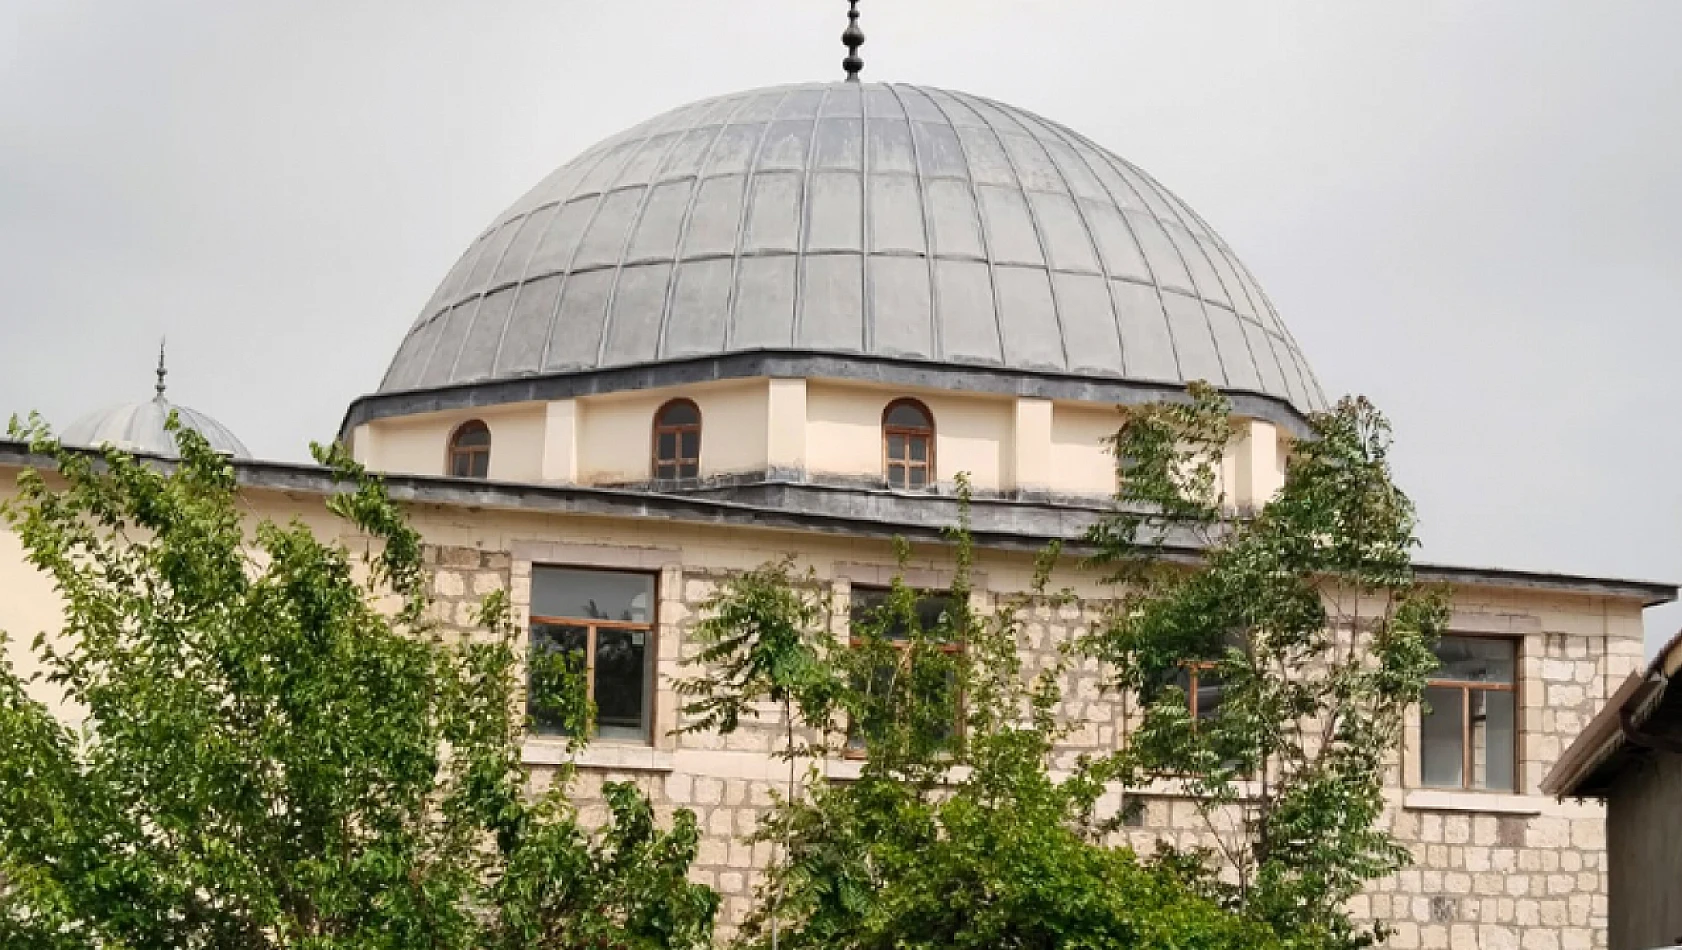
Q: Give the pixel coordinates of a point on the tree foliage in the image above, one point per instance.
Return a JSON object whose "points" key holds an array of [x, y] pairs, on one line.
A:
{"points": [[1307, 617], [956, 832], [270, 759]]}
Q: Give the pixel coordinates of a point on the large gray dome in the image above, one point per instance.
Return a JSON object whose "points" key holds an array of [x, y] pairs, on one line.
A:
{"points": [[890, 221]]}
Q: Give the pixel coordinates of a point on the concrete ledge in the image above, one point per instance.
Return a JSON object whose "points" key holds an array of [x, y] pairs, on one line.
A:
{"points": [[1483, 803], [606, 756]]}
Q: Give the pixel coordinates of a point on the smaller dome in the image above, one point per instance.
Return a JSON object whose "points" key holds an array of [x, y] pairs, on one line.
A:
{"points": [[139, 426]]}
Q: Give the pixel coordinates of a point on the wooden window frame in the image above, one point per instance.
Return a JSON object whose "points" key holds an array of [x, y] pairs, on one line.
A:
{"points": [[676, 431], [592, 628], [908, 433], [1466, 687], [453, 450], [1193, 672], [902, 647]]}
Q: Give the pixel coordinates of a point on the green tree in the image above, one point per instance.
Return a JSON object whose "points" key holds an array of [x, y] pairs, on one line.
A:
{"points": [[956, 833], [271, 760], [1305, 617]]}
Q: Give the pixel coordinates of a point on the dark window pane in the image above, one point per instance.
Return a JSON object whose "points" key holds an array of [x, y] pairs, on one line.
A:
{"points": [[866, 601], [473, 435], [691, 445], [592, 595], [689, 470], [1476, 660], [896, 476], [461, 466], [548, 641], [1442, 754], [667, 446], [919, 477], [1492, 739], [908, 415], [481, 464], [896, 446], [680, 414], [1210, 694], [919, 450], [621, 678]]}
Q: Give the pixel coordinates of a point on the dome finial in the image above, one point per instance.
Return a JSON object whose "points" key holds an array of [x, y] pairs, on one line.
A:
{"points": [[161, 371], [853, 38]]}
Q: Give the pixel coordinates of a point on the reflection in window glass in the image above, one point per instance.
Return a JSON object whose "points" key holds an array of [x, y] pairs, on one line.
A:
{"points": [[621, 661], [1475, 660], [1493, 756], [1440, 736], [591, 595], [1468, 730], [605, 620], [867, 600], [930, 609]]}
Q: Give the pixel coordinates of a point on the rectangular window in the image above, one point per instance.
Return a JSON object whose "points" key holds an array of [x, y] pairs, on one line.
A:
{"points": [[1468, 726], [866, 601], [606, 620]]}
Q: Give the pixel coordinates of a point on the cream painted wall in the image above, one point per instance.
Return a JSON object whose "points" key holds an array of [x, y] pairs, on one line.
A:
{"points": [[843, 431], [614, 431], [28, 606], [973, 433], [418, 445], [1080, 463], [825, 427]]}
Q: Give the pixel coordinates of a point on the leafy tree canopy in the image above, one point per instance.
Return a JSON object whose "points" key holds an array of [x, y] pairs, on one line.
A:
{"points": [[269, 759]]}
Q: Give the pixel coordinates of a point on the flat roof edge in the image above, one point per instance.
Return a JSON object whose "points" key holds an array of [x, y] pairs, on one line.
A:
{"points": [[1011, 523]]}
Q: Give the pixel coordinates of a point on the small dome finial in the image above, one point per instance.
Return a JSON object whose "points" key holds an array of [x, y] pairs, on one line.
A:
{"points": [[161, 371], [852, 38]]}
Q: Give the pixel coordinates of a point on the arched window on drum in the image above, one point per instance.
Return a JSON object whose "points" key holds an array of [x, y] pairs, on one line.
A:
{"points": [[470, 450], [677, 440], [908, 444]]}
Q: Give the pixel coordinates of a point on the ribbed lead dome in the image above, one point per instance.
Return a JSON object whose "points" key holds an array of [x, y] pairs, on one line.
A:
{"points": [[139, 427], [847, 218]]}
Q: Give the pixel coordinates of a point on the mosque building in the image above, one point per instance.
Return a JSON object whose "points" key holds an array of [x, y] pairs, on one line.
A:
{"points": [[783, 321]]}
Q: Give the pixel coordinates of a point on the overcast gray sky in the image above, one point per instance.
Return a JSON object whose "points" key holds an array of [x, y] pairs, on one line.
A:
{"points": [[1471, 212]]}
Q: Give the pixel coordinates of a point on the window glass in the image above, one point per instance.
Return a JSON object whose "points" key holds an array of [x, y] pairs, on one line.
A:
{"points": [[1468, 730], [940, 690], [554, 638], [470, 451], [679, 414], [677, 441], [603, 620], [621, 665], [1492, 736], [1475, 660], [1443, 753], [591, 595], [867, 600], [473, 435], [907, 415]]}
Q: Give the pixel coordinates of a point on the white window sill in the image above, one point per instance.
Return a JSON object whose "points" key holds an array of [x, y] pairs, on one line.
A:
{"points": [[602, 754], [1488, 803]]}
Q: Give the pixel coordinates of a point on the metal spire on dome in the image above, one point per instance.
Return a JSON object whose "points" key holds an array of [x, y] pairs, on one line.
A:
{"points": [[162, 372], [852, 38]]}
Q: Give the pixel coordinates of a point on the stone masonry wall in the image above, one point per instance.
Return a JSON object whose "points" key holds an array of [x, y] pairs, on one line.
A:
{"points": [[1491, 870]]}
